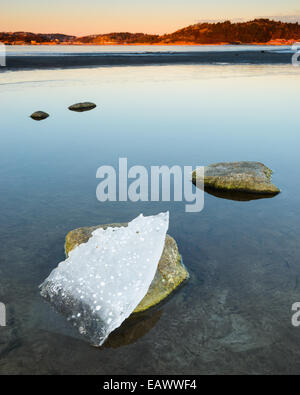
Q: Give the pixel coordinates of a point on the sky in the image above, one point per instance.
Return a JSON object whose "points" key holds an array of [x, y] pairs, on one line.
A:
{"points": [[82, 17]]}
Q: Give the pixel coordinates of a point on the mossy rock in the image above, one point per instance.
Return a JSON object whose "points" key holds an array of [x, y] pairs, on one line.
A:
{"points": [[248, 177], [169, 275]]}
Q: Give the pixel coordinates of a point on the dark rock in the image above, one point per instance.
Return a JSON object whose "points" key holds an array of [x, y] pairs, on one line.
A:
{"points": [[80, 107], [39, 115]]}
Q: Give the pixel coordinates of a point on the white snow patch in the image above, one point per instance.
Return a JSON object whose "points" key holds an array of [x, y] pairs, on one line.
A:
{"points": [[102, 281]]}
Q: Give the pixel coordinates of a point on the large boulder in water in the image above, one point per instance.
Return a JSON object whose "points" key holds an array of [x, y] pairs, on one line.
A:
{"points": [[248, 177], [169, 275]]}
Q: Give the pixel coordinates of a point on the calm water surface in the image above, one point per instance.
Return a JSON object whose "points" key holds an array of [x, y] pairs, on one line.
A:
{"points": [[30, 50], [234, 315]]}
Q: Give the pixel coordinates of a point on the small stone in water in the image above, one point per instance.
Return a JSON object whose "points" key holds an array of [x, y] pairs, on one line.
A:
{"points": [[80, 107], [39, 115]]}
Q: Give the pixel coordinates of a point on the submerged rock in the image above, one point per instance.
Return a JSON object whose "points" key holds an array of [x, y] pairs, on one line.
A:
{"points": [[80, 107], [248, 177], [39, 115], [169, 275]]}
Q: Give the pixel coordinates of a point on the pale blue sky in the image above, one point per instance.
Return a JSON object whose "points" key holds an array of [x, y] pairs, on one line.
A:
{"points": [[81, 17]]}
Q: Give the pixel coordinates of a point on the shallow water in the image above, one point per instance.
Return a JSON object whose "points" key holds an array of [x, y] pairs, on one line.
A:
{"points": [[234, 314]]}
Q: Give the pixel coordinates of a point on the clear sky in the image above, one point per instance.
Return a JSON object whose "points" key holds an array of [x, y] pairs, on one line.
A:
{"points": [[80, 17]]}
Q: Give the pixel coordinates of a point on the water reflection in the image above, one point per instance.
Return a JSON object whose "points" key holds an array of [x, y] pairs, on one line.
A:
{"points": [[234, 315], [132, 329], [238, 196]]}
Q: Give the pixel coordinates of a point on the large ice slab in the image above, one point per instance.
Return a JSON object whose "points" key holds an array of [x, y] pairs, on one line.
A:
{"points": [[102, 281]]}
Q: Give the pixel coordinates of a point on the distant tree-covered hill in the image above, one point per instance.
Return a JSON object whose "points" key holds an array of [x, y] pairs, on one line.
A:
{"points": [[116, 38], [27, 38], [256, 31]]}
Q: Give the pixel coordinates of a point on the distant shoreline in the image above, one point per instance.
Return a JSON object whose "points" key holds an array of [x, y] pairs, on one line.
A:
{"points": [[259, 31], [180, 43], [21, 62]]}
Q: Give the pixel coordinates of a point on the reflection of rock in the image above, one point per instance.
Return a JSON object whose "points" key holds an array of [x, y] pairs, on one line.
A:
{"points": [[80, 107], [247, 177], [237, 196], [135, 327], [9, 339], [39, 115], [169, 275]]}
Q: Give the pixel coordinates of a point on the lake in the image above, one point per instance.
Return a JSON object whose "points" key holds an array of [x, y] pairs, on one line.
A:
{"points": [[234, 313], [81, 50]]}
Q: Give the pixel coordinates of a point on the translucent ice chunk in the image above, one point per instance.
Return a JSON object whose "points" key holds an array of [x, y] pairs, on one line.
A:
{"points": [[102, 281]]}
